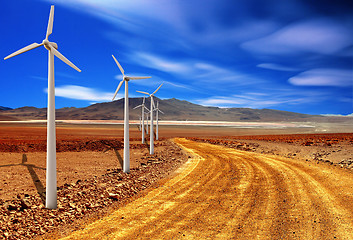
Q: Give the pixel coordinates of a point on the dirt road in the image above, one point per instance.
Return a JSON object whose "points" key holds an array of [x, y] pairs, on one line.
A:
{"points": [[224, 193]]}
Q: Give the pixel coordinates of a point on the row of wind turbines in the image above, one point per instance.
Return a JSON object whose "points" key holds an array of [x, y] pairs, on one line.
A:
{"points": [[51, 182], [126, 79]]}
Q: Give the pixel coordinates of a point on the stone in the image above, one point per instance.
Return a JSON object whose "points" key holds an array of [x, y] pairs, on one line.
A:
{"points": [[25, 204], [113, 196]]}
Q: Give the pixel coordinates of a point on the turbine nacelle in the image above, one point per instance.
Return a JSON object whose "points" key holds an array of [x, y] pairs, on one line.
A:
{"points": [[47, 44]]}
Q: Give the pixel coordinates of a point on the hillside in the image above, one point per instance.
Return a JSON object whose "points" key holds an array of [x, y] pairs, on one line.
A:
{"points": [[173, 109]]}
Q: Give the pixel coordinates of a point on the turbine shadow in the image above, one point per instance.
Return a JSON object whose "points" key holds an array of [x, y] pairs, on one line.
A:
{"points": [[120, 159], [36, 181], [147, 145]]}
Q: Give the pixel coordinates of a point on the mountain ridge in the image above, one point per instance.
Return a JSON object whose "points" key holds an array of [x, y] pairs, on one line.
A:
{"points": [[173, 108]]}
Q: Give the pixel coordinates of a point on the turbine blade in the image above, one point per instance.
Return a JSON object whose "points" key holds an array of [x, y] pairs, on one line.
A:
{"points": [[143, 92], [50, 22], [25, 49], [137, 78], [117, 89], [120, 67], [62, 58], [160, 111], [138, 106], [157, 89]]}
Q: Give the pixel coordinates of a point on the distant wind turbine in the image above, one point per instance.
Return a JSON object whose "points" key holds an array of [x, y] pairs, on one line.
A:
{"points": [[151, 117], [126, 79], [143, 107], [51, 191], [147, 116], [157, 110]]}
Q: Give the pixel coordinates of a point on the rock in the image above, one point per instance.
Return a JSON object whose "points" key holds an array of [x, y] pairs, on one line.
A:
{"points": [[11, 207], [113, 196], [25, 204]]}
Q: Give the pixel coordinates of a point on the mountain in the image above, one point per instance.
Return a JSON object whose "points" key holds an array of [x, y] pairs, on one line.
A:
{"points": [[4, 117], [173, 109], [4, 108]]}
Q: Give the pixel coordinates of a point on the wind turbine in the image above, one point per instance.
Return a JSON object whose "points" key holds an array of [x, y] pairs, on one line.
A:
{"points": [[126, 79], [151, 116], [148, 112], [157, 110], [51, 191], [143, 107]]}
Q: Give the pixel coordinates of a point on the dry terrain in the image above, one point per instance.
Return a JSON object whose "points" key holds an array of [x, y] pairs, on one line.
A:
{"points": [[91, 183]]}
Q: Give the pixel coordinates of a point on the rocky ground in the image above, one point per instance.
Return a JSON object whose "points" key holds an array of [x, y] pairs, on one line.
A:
{"points": [[336, 148], [84, 200]]}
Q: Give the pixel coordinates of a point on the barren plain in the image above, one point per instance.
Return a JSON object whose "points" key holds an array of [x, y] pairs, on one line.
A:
{"points": [[91, 184]]}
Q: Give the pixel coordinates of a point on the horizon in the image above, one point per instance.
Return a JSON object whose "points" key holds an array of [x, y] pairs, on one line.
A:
{"points": [[294, 55], [121, 99]]}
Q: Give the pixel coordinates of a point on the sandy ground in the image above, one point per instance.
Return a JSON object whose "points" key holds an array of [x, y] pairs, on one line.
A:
{"points": [[229, 194]]}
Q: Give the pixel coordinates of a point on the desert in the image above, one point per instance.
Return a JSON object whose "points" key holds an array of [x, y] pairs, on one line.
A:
{"points": [[91, 183]]}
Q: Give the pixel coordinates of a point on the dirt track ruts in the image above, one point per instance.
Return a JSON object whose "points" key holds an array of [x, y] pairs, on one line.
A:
{"points": [[224, 193]]}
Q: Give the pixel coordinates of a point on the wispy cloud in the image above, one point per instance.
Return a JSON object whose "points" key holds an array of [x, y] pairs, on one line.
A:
{"points": [[160, 63], [83, 93], [337, 115], [323, 77], [40, 78], [197, 71], [322, 36], [278, 98], [277, 67]]}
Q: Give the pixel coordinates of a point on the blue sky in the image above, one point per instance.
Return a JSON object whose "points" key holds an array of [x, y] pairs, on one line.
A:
{"points": [[292, 55]]}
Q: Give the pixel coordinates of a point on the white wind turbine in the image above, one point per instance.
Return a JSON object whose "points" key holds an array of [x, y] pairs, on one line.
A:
{"points": [[148, 112], [140, 123], [151, 116], [51, 191], [126, 79], [143, 107], [157, 110]]}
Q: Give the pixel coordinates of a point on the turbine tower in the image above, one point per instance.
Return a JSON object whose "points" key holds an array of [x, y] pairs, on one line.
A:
{"points": [[143, 107], [157, 110], [126, 79], [51, 191], [151, 116]]}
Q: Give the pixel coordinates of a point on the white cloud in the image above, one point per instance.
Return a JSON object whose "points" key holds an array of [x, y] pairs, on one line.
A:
{"points": [[197, 71], [323, 77], [337, 115], [277, 67], [160, 63], [40, 78], [129, 15], [319, 36], [239, 101], [263, 100], [83, 93]]}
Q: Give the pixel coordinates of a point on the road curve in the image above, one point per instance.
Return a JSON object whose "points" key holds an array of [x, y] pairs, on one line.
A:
{"points": [[224, 193]]}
